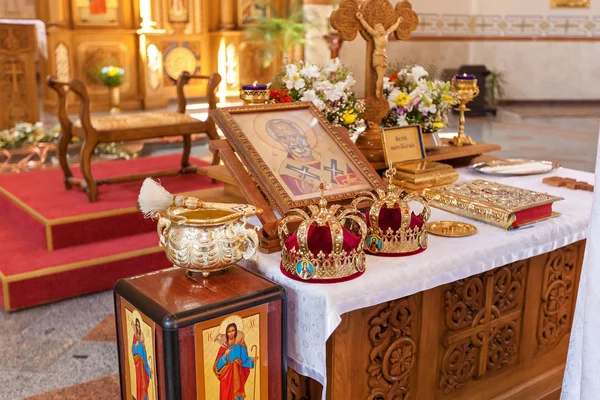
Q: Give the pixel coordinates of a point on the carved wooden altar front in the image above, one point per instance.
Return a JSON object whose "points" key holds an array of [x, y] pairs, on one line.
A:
{"points": [[18, 98], [502, 334]]}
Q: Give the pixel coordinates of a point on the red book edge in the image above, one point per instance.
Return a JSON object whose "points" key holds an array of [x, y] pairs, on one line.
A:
{"points": [[532, 214]]}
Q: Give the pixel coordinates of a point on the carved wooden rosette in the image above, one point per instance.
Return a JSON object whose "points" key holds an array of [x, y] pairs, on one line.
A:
{"points": [[557, 297], [483, 317], [393, 356], [297, 386]]}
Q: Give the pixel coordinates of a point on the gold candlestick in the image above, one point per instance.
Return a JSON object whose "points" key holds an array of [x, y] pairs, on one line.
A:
{"points": [[466, 90]]}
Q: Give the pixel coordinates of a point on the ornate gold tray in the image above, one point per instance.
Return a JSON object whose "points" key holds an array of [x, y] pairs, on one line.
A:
{"points": [[451, 228], [513, 167]]}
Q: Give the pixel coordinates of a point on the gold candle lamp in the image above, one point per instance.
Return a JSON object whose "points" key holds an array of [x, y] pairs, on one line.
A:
{"points": [[255, 94], [466, 89]]}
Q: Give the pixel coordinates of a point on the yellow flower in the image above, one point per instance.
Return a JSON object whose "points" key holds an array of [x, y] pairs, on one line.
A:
{"points": [[402, 99], [113, 72], [349, 117], [447, 97], [438, 125]]}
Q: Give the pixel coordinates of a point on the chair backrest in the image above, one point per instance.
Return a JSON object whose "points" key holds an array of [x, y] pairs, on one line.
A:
{"points": [[211, 89], [61, 88], [78, 87]]}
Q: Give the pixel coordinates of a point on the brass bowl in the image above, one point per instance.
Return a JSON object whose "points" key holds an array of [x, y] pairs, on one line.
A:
{"points": [[451, 228], [207, 239]]}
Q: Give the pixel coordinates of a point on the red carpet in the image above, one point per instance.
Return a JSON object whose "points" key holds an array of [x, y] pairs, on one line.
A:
{"points": [[38, 205], [93, 245]]}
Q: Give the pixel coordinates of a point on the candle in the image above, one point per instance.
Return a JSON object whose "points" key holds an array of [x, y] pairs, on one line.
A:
{"points": [[145, 10], [254, 86], [465, 77]]}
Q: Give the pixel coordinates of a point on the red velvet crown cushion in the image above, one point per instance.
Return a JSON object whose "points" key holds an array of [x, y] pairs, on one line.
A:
{"points": [[319, 239], [392, 218]]}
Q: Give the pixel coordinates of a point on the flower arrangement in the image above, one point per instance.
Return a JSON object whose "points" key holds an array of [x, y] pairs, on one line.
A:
{"points": [[25, 133], [112, 76], [329, 88], [416, 100]]}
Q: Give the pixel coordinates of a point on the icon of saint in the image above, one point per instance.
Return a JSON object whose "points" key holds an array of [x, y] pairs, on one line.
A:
{"points": [[143, 373], [233, 364], [303, 168]]}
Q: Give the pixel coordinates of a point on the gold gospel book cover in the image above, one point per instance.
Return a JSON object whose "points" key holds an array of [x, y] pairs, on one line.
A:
{"points": [[501, 205]]}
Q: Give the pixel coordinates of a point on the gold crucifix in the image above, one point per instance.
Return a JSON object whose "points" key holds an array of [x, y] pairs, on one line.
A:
{"points": [[375, 20]]}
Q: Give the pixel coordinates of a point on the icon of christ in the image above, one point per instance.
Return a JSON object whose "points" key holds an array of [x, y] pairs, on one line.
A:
{"points": [[233, 364], [303, 168]]}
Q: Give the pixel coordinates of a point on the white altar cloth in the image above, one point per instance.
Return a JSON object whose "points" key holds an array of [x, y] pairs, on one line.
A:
{"points": [[314, 310], [583, 362]]}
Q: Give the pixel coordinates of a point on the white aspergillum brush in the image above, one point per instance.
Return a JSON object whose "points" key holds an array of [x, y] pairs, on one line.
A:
{"points": [[153, 198]]}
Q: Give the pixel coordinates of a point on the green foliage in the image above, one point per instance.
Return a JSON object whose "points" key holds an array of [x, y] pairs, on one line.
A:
{"points": [[278, 34], [494, 86]]}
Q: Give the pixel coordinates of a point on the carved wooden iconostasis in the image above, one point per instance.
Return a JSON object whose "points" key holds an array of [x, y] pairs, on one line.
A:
{"points": [[198, 36]]}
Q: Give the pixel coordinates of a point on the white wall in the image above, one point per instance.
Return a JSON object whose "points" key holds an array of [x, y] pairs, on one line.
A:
{"points": [[545, 61]]}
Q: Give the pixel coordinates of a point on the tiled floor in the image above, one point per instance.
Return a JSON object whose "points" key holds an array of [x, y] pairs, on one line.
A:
{"points": [[67, 350]]}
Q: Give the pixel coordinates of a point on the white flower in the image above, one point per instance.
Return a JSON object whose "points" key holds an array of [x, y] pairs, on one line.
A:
{"points": [[293, 79], [334, 93], [309, 95], [392, 98], [310, 71], [323, 86], [418, 72], [349, 82], [387, 85], [402, 120], [333, 65], [291, 70], [320, 104]]}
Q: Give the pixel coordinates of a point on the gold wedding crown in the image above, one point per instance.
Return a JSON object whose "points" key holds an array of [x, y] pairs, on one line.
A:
{"points": [[393, 228], [328, 245]]}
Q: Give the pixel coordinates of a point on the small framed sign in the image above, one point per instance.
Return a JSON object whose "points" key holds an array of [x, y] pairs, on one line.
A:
{"points": [[403, 143]]}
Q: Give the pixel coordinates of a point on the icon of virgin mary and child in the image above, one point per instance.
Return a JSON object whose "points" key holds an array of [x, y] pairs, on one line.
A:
{"points": [[233, 364]]}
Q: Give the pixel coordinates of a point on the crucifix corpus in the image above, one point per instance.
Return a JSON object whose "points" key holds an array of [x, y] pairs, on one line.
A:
{"points": [[375, 20]]}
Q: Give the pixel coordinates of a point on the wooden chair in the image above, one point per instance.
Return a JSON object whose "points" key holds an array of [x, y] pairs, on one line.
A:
{"points": [[126, 127]]}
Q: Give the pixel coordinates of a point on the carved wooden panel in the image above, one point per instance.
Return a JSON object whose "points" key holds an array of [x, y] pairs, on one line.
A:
{"points": [[297, 386], [557, 297], [179, 56], [393, 355], [482, 319], [18, 94]]}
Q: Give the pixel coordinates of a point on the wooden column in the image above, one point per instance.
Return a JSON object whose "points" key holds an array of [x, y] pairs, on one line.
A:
{"points": [[227, 15]]}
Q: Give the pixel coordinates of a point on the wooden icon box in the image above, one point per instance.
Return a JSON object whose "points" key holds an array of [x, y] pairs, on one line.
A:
{"points": [[172, 333]]}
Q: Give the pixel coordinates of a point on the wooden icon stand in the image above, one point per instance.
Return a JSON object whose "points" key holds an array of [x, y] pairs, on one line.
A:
{"points": [[268, 236]]}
